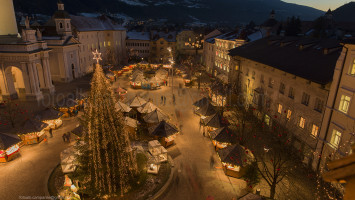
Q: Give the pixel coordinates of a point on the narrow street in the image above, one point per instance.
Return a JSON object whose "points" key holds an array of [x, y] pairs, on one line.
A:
{"points": [[192, 152]]}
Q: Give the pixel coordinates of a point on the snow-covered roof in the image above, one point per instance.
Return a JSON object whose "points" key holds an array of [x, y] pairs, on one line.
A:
{"points": [[168, 36], [133, 35], [82, 23]]}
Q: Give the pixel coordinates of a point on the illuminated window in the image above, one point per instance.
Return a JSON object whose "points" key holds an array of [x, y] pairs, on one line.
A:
{"points": [[302, 122], [237, 67], [289, 113], [315, 130], [352, 68], [104, 43], [279, 109], [344, 104], [335, 140], [109, 43]]}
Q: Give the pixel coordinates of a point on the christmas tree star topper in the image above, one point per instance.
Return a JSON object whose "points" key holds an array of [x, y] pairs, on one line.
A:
{"points": [[97, 56]]}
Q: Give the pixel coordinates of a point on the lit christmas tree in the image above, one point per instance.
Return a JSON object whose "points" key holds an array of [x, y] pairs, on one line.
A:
{"points": [[107, 164]]}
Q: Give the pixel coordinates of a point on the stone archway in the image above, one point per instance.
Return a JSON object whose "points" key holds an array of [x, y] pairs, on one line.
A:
{"points": [[12, 83]]}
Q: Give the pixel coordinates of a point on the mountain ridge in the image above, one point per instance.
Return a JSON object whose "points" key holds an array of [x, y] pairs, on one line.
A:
{"points": [[229, 11]]}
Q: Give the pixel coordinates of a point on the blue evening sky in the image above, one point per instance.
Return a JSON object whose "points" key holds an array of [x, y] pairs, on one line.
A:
{"points": [[320, 4]]}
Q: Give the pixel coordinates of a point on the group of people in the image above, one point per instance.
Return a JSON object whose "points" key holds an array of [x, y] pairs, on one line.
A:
{"points": [[66, 137]]}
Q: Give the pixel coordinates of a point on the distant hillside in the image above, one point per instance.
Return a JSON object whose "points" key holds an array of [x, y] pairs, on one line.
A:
{"points": [[345, 13], [228, 11]]}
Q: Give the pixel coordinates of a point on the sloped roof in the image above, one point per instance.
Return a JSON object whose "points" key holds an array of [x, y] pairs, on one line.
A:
{"points": [[147, 108], [222, 135], [202, 102], [32, 126], [122, 107], [48, 114], [61, 14], [163, 129], [284, 53], [139, 78], [215, 121], [233, 154], [78, 130], [233, 35], [101, 23], [168, 36], [206, 110], [131, 122], [7, 140], [134, 35], [137, 102], [156, 116], [155, 80], [162, 71]]}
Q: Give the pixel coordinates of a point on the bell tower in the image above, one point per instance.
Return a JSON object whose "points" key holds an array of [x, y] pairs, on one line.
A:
{"points": [[8, 25], [62, 20]]}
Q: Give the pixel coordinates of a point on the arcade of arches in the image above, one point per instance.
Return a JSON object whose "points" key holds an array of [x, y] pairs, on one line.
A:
{"points": [[25, 80]]}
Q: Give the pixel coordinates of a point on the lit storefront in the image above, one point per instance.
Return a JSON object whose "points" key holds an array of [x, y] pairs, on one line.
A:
{"points": [[33, 132], [9, 147]]}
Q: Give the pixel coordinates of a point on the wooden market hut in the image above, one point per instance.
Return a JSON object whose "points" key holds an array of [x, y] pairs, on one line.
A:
{"points": [[131, 127], [206, 110], [214, 122], [136, 73], [78, 131], [32, 132], [222, 137], [136, 102], [201, 103], [155, 117], [147, 108], [155, 82], [122, 107], [51, 117], [138, 81], [164, 132], [234, 159], [9, 147]]}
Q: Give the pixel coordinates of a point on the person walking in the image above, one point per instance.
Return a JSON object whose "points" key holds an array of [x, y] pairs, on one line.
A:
{"points": [[50, 132], [164, 100], [64, 136]]}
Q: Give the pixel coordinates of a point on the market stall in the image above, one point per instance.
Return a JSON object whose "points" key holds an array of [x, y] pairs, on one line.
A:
{"points": [[155, 117], [131, 127], [222, 137], [122, 107], [206, 110], [136, 73], [214, 122], [78, 131], [201, 103], [155, 82], [234, 159], [164, 132], [32, 132], [136, 102], [137, 81], [9, 147], [147, 108], [51, 117], [158, 151]]}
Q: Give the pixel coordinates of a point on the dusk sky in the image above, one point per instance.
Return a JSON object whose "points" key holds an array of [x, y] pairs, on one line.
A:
{"points": [[320, 4]]}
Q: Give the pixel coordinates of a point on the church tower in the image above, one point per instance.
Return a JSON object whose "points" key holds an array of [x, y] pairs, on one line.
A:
{"points": [[8, 25], [62, 20]]}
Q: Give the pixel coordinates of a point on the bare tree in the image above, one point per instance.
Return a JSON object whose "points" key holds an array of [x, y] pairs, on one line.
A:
{"points": [[11, 112]]}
